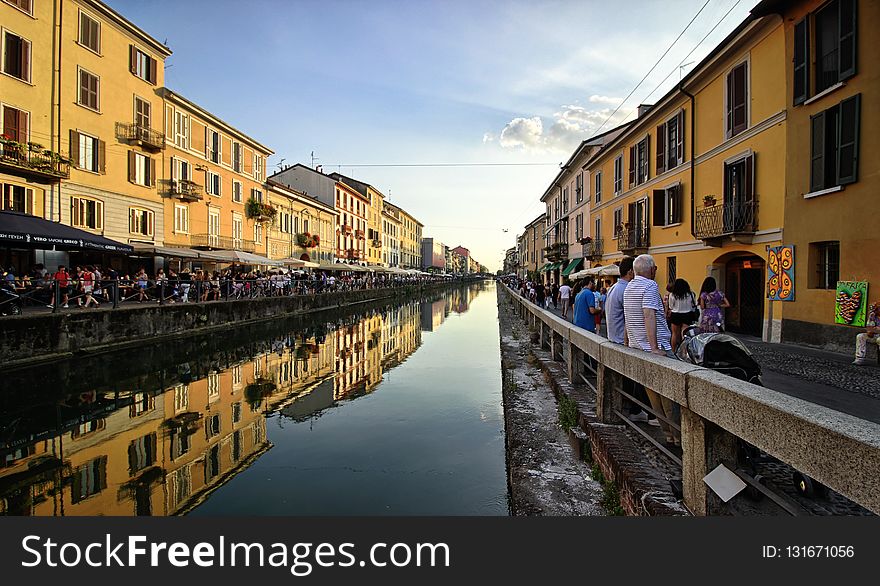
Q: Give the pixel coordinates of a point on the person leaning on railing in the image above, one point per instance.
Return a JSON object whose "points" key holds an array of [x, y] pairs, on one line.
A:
{"points": [[644, 314], [871, 335]]}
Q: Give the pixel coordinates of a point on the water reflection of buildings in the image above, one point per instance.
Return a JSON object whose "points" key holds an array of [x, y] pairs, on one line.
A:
{"points": [[163, 452]]}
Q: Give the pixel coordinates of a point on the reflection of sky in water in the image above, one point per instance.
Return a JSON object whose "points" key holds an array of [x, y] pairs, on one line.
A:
{"points": [[429, 440], [391, 413]]}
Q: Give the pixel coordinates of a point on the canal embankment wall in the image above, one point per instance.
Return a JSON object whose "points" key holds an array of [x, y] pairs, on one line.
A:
{"points": [[33, 338], [718, 413]]}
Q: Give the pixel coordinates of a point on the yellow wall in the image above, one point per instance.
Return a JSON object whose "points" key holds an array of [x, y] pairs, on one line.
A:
{"points": [[196, 155], [34, 97], [117, 91], [761, 45]]}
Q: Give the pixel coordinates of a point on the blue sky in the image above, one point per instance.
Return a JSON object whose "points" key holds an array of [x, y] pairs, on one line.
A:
{"points": [[414, 82]]}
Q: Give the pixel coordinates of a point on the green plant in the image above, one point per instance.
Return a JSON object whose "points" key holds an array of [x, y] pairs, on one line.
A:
{"points": [[610, 494], [257, 209], [567, 412]]}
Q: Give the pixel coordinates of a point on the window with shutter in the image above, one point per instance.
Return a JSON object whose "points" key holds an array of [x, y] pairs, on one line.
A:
{"points": [[23, 5], [89, 32], [16, 123], [848, 136], [142, 112], [17, 198], [632, 164], [89, 87], [16, 56], [661, 148], [737, 97], [598, 187], [801, 61], [834, 145]]}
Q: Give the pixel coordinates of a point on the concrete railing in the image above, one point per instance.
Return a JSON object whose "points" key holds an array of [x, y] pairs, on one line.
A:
{"points": [[839, 450]]}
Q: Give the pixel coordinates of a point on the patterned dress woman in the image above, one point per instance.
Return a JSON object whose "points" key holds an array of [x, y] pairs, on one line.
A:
{"points": [[712, 304]]}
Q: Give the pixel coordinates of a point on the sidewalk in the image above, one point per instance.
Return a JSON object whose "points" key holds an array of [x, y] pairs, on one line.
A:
{"points": [[817, 376]]}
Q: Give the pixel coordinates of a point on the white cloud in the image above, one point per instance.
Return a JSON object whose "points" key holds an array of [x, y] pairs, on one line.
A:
{"points": [[594, 99], [562, 132], [523, 133], [488, 137]]}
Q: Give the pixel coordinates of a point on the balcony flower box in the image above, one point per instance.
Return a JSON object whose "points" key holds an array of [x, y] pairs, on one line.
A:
{"points": [[306, 240], [261, 212]]}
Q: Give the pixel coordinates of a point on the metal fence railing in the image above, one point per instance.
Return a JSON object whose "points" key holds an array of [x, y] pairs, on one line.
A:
{"points": [[56, 295]]}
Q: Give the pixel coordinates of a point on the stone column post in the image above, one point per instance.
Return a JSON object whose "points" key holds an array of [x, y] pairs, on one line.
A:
{"points": [[607, 398], [704, 447]]}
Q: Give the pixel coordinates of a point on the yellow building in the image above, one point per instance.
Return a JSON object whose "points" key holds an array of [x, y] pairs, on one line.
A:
{"points": [[695, 180], [351, 233], [299, 219], [212, 181], [391, 235], [832, 171], [375, 204], [88, 89], [410, 241]]}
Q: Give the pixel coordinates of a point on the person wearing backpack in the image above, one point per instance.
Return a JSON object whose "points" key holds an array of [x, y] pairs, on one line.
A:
{"points": [[683, 310]]}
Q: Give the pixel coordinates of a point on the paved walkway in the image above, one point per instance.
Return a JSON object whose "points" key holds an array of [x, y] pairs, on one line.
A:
{"points": [[817, 376]]}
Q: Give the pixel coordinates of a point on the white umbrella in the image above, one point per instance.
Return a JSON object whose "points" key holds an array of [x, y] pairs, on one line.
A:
{"points": [[299, 264], [611, 270]]}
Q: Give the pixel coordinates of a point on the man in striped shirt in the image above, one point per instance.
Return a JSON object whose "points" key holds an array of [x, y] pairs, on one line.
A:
{"points": [[646, 328]]}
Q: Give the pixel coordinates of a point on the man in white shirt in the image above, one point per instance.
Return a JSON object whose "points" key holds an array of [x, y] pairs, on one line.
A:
{"points": [[565, 298], [646, 328]]}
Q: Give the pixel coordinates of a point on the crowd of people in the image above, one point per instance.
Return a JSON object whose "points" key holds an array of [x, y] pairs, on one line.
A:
{"points": [[636, 315], [92, 285]]}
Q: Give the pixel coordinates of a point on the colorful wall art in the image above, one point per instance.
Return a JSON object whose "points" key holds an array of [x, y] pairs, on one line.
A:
{"points": [[851, 303], [780, 273]]}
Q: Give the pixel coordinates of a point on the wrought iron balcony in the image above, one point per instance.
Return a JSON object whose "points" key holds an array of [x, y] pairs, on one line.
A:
{"points": [[42, 166], [557, 251], [593, 248], [726, 219], [182, 189], [216, 242], [353, 254], [359, 234], [135, 133], [632, 240]]}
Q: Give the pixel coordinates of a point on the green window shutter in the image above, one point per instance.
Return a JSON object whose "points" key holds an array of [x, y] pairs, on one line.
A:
{"points": [[847, 26], [661, 149], [801, 61], [817, 152], [848, 135]]}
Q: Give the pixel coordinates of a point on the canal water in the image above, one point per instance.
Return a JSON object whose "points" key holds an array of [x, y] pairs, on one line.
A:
{"points": [[388, 411]]}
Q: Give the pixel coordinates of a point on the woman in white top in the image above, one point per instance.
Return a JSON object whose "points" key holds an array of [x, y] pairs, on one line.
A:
{"points": [[682, 310]]}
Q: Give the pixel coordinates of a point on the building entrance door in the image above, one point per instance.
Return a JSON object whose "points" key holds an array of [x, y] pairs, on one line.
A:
{"points": [[745, 291]]}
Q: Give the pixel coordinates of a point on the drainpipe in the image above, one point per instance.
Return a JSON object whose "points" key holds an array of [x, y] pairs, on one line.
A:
{"points": [[693, 162]]}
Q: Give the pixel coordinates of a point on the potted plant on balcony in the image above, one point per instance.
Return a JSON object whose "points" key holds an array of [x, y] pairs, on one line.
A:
{"points": [[709, 200], [586, 240], [259, 211]]}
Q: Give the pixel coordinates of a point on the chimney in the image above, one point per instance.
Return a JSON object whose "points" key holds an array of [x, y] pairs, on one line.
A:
{"points": [[644, 109]]}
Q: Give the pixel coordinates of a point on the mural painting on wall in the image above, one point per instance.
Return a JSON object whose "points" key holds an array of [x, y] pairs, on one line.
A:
{"points": [[851, 303], [780, 273]]}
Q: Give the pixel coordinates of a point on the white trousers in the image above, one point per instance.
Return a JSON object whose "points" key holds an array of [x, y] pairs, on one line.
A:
{"points": [[862, 341]]}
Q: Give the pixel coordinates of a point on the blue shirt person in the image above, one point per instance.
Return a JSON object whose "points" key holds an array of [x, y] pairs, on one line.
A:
{"points": [[583, 317]]}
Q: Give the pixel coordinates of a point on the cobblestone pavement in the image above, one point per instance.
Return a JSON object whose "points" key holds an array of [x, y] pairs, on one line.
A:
{"points": [[818, 366]]}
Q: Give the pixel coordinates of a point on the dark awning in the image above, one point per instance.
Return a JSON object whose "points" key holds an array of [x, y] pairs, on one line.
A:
{"points": [[26, 231], [572, 265]]}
